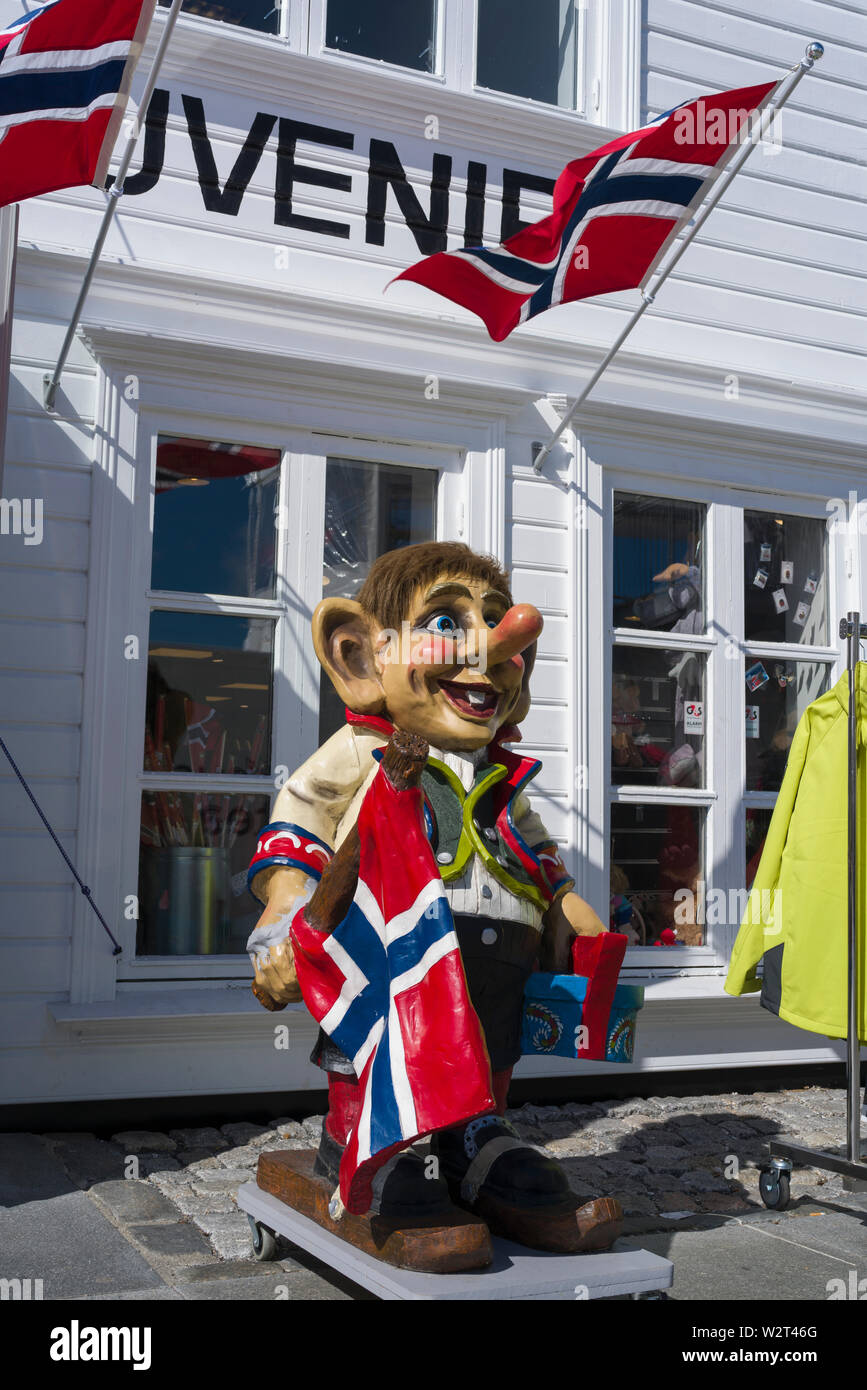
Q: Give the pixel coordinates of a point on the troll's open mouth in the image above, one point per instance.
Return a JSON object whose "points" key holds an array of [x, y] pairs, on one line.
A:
{"points": [[477, 701]]}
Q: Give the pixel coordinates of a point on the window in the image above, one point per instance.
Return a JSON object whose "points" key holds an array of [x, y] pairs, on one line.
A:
{"points": [[263, 15], [402, 32], [554, 53], [786, 607], [658, 712], [211, 643], [369, 508], [529, 50], [709, 678]]}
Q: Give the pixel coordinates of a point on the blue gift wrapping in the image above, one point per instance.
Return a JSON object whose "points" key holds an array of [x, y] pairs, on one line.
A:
{"points": [[553, 1007]]}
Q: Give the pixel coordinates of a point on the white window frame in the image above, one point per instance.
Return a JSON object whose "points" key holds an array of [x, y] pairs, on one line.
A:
{"points": [[146, 389], [295, 707], [607, 57], [724, 796]]}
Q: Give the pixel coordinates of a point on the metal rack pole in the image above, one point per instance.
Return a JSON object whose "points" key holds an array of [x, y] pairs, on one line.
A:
{"points": [[853, 1055], [774, 1183]]}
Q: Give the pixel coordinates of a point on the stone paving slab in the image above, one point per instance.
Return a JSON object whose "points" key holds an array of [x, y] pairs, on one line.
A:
{"points": [[760, 1262], [69, 1244], [29, 1170]]}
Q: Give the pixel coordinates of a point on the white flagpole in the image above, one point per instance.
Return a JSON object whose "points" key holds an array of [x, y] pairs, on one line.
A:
{"points": [[8, 247], [813, 53], [51, 383]]}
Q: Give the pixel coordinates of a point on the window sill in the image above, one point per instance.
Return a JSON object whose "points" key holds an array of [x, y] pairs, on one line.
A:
{"points": [[227, 1011]]}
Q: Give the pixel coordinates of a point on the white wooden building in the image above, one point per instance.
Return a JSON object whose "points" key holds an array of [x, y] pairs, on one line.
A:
{"points": [[288, 171]]}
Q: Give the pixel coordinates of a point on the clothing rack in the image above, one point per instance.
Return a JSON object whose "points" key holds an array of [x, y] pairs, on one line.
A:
{"points": [[774, 1181]]}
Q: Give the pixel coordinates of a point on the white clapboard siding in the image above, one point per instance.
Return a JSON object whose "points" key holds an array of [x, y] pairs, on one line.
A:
{"points": [[38, 594], [37, 440], [36, 911], [549, 592], [43, 750], [65, 491], [56, 796], [28, 646], [33, 966], [46, 697], [31, 857]]}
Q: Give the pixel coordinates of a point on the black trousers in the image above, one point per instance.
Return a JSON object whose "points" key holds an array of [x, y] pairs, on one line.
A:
{"points": [[498, 958]]}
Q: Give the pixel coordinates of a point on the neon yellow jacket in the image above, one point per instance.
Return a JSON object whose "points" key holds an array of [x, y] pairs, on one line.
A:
{"points": [[797, 913]]}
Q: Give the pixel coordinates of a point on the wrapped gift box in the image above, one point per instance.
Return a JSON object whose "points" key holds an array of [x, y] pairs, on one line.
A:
{"points": [[554, 1018]]}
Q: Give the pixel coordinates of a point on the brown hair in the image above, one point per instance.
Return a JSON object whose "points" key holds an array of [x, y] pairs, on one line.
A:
{"points": [[393, 579]]}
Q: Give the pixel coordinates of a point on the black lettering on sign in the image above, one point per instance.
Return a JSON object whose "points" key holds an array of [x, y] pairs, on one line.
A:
{"points": [[154, 146], [228, 199], [386, 170], [289, 173], [474, 219], [513, 182]]}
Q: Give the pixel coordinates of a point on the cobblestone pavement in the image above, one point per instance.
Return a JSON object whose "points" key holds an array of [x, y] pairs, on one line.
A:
{"points": [[673, 1162]]}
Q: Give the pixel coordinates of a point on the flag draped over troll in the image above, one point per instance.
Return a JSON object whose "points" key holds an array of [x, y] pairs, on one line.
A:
{"points": [[616, 211], [65, 74], [388, 986]]}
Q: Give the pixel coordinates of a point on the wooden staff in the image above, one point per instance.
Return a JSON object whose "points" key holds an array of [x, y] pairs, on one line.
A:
{"points": [[403, 763]]}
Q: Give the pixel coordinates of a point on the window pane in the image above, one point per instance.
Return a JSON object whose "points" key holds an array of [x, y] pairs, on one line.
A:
{"points": [[209, 694], [758, 824], [214, 521], [529, 50], [785, 584], [369, 508], [657, 851], [658, 564], [251, 14], [395, 31], [658, 712], [195, 848], [777, 694]]}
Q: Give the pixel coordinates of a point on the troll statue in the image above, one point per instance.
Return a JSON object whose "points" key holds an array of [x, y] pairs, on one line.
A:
{"points": [[510, 895]]}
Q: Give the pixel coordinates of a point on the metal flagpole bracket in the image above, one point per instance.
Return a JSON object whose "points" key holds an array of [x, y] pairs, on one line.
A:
{"points": [[51, 381], [847, 629], [813, 53]]}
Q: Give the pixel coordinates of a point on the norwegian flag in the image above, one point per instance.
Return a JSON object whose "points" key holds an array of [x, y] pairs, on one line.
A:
{"points": [[65, 75], [616, 211], [388, 986]]}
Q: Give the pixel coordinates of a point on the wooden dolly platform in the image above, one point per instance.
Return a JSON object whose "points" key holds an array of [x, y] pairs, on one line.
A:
{"points": [[516, 1273]]}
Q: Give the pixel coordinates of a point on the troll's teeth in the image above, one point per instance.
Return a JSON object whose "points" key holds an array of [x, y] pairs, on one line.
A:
{"points": [[477, 697]]}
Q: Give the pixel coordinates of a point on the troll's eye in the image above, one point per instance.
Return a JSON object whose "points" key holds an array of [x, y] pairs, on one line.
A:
{"points": [[441, 622]]}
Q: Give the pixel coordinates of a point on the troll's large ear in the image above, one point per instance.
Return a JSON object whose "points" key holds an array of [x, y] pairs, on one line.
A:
{"points": [[343, 636], [522, 709]]}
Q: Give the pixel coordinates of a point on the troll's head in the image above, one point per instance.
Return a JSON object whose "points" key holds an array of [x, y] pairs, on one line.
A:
{"points": [[434, 643]]}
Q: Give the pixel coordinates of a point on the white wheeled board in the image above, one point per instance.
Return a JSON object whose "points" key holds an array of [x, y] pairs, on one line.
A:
{"points": [[516, 1273]]}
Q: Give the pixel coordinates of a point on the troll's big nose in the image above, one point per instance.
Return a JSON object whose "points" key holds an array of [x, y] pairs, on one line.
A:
{"points": [[513, 634]]}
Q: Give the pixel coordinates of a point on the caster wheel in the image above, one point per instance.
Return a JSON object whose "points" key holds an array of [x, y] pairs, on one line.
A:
{"points": [[262, 1240], [774, 1190]]}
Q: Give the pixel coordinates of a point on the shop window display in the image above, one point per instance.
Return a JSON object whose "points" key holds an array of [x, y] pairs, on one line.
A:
{"points": [[657, 872], [370, 508], [777, 694], [785, 583], [209, 703], [658, 573], [657, 717]]}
